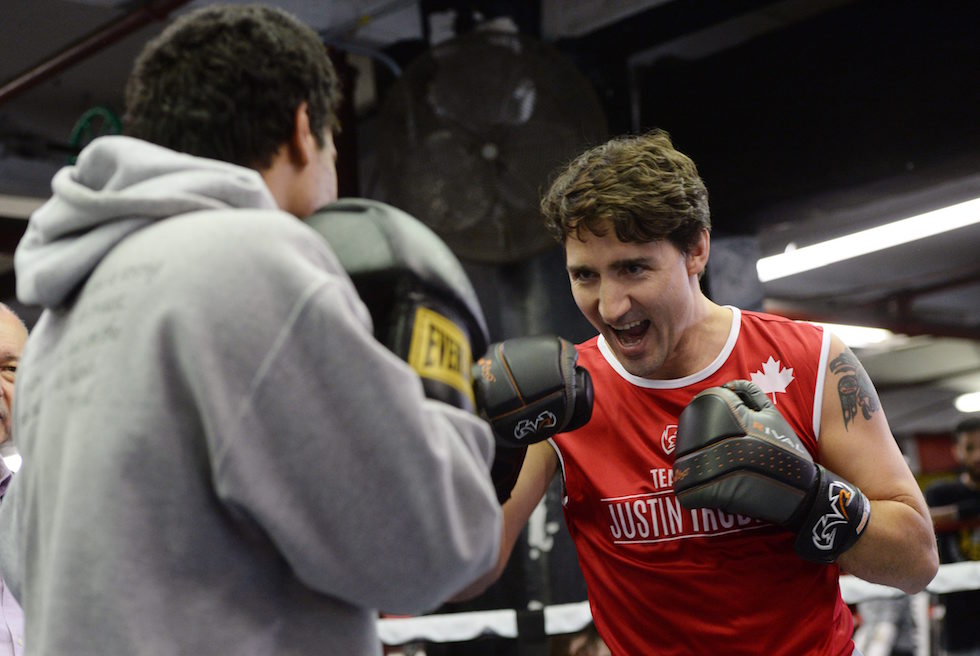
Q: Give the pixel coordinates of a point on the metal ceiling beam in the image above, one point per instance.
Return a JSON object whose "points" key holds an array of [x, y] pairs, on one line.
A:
{"points": [[878, 315], [89, 45]]}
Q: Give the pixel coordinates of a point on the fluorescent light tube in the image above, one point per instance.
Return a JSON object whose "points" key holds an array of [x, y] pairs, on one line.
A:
{"points": [[967, 403], [867, 241], [858, 336]]}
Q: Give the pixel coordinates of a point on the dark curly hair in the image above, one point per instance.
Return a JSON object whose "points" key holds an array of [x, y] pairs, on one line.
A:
{"points": [[224, 82], [639, 185]]}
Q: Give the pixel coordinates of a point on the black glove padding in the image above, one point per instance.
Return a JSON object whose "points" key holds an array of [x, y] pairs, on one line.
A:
{"points": [[507, 463], [530, 389], [736, 452], [422, 303]]}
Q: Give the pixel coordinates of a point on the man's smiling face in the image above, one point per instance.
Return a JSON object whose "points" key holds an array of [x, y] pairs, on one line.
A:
{"points": [[638, 295]]}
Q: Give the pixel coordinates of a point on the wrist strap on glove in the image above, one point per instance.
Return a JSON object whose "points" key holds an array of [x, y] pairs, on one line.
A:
{"points": [[507, 463], [834, 521]]}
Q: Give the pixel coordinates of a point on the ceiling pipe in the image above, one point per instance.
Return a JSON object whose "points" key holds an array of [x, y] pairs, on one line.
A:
{"points": [[967, 278], [893, 312], [89, 45], [872, 316]]}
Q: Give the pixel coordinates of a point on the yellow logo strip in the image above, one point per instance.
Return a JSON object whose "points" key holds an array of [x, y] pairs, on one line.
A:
{"points": [[440, 351]]}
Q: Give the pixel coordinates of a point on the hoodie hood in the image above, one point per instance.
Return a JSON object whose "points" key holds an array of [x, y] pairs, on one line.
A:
{"points": [[119, 185]]}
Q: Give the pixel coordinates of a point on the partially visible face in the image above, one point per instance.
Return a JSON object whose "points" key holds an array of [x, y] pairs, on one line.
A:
{"points": [[967, 451], [314, 184], [13, 336], [639, 296], [326, 173]]}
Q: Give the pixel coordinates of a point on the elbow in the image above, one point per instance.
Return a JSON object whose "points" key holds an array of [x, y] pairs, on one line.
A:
{"points": [[901, 555], [922, 561], [923, 566], [473, 564], [429, 591], [480, 585], [925, 571], [473, 590]]}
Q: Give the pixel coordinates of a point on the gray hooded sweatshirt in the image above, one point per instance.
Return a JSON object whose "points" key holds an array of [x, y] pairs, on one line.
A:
{"points": [[219, 458]]}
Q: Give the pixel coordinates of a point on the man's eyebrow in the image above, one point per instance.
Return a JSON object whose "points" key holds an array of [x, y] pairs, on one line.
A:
{"points": [[632, 261], [615, 264]]}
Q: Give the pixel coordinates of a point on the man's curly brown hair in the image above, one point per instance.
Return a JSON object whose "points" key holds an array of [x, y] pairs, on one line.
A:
{"points": [[224, 82], [639, 185]]}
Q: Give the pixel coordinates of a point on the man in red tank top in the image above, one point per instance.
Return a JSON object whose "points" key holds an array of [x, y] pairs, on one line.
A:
{"points": [[665, 575]]}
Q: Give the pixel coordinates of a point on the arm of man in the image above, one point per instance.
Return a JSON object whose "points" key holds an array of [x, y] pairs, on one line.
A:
{"points": [[372, 493], [540, 465], [323, 439], [943, 516], [898, 547], [950, 511]]}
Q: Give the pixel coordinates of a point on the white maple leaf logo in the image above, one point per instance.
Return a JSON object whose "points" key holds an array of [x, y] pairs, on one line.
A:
{"points": [[773, 378]]}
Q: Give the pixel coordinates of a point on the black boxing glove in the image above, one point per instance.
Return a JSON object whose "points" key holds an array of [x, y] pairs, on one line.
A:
{"points": [[735, 452], [507, 463], [530, 389], [422, 303]]}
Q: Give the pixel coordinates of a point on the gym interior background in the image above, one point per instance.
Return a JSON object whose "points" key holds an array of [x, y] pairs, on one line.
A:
{"points": [[808, 119]]}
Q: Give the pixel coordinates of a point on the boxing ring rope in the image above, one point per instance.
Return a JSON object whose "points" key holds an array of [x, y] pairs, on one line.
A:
{"points": [[573, 617]]}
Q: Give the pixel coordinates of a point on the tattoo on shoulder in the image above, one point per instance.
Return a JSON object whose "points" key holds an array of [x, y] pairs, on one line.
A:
{"points": [[855, 388]]}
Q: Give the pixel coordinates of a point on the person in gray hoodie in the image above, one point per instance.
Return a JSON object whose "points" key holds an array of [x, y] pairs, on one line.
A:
{"points": [[218, 456]]}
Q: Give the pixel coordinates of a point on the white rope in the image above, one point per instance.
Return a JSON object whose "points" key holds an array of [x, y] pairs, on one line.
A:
{"points": [[952, 577], [452, 627], [571, 618]]}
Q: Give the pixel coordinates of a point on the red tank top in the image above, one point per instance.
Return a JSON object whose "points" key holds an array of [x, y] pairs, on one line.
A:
{"points": [[665, 580]]}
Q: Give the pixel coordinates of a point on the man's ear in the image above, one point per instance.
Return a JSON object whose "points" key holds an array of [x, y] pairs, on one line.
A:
{"points": [[302, 143], [697, 256]]}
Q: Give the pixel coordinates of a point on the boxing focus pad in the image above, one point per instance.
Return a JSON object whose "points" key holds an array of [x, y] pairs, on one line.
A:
{"points": [[530, 389], [736, 452], [422, 303]]}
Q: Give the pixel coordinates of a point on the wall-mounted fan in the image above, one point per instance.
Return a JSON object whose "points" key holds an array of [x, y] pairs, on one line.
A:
{"points": [[468, 136]]}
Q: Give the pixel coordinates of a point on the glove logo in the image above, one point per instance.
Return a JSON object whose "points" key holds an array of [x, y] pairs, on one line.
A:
{"points": [[525, 427], [825, 528], [440, 350], [779, 437], [668, 439], [486, 370]]}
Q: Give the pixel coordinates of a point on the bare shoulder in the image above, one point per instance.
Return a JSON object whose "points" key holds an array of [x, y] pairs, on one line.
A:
{"points": [[853, 387], [855, 439]]}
